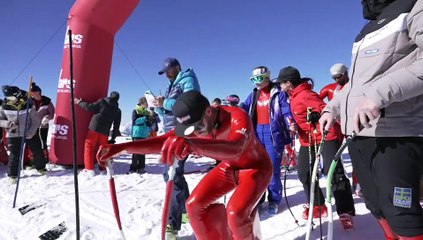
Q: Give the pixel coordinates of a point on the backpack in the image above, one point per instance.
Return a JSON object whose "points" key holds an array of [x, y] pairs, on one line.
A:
{"points": [[140, 128]]}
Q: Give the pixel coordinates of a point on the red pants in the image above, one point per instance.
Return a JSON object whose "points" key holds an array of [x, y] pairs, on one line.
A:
{"points": [[93, 140], [211, 220]]}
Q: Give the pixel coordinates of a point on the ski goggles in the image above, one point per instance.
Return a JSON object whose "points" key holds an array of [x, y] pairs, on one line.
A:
{"points": [[337, 76], [232, 99], [259, 78]]}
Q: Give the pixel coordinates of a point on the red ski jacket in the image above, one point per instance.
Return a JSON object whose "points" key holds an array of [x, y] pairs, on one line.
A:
{"points": [[302, 97]]}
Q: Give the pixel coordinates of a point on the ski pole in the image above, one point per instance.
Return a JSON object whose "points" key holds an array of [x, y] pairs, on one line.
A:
{"points": [[110, 172], [329, 182], [313, 184], [75, 160], [168, 197], [22, 147]]}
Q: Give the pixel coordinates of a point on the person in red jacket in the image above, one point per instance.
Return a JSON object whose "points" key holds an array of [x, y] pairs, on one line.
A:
{"points": [[225, 133], [340, 74], [303, 99]]}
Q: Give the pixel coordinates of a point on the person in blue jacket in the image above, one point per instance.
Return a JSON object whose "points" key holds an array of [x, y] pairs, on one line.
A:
{"points": [[269, 109], [141, 123], [179, 82]]}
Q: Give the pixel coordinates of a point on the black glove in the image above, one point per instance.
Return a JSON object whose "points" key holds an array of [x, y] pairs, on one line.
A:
{"points": [[111, 141], [313, 117]]}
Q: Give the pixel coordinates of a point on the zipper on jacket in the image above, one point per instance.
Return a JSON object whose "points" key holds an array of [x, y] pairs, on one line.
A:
{"points": [[351, 80]]}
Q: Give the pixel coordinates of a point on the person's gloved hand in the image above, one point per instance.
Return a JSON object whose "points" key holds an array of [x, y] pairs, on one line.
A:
{"points": [[12, 126], [45, 121], [111, 141], [313, 117], [175, 148]]}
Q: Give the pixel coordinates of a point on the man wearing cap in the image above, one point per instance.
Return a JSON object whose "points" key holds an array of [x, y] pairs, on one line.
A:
{"points": [[179, 82], [269, 110], [106, 113], [340, 74], [224, 133]]}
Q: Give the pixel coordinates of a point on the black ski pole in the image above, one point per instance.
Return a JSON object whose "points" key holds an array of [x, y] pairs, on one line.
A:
{"points": [[22, 147], [75, 162]]}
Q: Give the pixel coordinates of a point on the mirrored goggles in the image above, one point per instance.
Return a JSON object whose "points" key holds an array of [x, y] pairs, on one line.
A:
{"points": [[259, 78], [232, 99], [337, 76]]}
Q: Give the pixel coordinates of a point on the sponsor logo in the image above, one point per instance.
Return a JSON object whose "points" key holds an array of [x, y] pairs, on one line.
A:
{"points": [[64, 84], [243, 131], [371, 51], [77, 40], [381, 21], [60, 131], [402, 197], [183, 119]]}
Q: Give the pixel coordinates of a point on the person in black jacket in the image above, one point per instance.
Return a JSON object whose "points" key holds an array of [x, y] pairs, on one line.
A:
{"points": [[106, 113]]}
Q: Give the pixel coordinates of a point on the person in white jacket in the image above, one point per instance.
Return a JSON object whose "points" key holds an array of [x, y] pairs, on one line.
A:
{"points": [[385, 97], [13, 117]]}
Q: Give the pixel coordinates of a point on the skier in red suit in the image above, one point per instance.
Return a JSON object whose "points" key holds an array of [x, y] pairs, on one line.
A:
{"points": [[225, 133], [340, 74]]}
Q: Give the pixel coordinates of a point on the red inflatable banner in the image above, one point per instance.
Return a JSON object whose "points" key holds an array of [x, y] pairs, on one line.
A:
{"points": [[94, 24]]}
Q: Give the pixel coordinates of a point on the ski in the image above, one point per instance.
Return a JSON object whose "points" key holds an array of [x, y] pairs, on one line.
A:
{"points": [[54, 233], [29, 207]]}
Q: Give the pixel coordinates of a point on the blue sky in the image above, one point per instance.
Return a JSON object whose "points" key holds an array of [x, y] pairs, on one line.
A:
{"points": [[222, 40]]}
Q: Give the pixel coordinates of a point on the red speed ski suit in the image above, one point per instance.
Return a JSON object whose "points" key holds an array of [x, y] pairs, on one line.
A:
{"points": [[245, 168]]}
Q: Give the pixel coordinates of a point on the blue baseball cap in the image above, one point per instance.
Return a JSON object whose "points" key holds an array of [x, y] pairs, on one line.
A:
{"points": [[168, 64]]}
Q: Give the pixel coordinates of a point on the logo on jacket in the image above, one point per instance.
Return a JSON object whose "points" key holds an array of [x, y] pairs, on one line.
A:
{"points": [[371, 51], [402, 197], [243, 131]]}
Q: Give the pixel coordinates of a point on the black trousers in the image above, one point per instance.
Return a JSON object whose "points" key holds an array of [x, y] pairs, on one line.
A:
{"points": [[341, 186], [43, 135], [389, 172], [138, 160], [14, 146]]}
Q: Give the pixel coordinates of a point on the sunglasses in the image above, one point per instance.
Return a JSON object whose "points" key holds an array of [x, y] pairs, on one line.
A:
{"points": [[334, 77], [259, 78]]}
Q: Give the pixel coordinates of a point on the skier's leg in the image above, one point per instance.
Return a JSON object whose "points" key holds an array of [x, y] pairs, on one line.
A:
{"points": [[341, 185], [13, 144], [241, 206], [207, 219], [397, 168], [179, 196]]}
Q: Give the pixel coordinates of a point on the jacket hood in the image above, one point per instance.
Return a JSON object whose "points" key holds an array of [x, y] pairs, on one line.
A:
{"points": [[111, 101], [373, 8], [184, 74], [300, 88]]}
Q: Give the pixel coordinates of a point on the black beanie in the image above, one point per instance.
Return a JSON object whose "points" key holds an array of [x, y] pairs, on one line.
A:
{"points": [[35, 88], [114, 96]]}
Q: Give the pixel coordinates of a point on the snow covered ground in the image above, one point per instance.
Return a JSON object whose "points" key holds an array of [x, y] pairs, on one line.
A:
{"points": [[140, 201]]}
